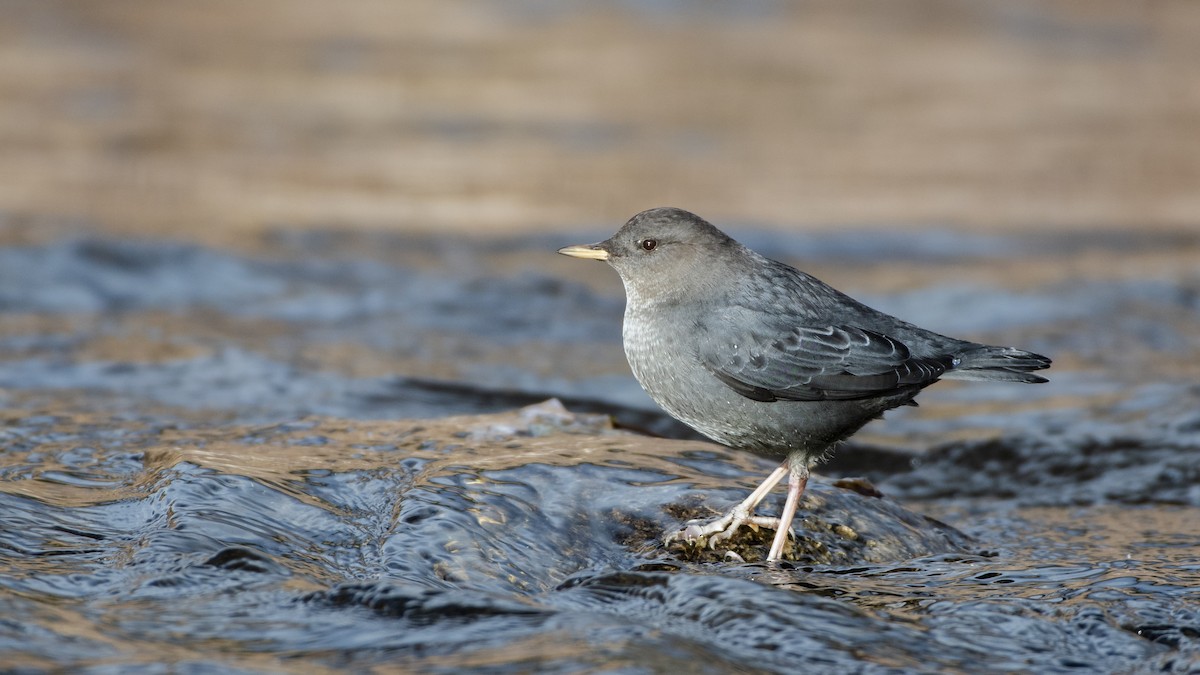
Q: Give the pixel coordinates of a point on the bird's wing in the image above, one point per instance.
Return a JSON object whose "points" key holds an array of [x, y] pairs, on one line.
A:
{"points": [[817, 364]]}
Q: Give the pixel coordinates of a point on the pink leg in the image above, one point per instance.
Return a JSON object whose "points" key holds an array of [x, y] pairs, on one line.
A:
{"points": [[797, 480], [763, 489], [727, 525]]}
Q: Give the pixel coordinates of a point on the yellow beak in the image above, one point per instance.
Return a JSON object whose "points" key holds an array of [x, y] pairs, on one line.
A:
{"points": [[591, 251]]}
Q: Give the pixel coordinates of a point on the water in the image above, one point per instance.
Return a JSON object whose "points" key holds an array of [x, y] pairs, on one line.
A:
{"points": [[528, 541], [217, 472]]}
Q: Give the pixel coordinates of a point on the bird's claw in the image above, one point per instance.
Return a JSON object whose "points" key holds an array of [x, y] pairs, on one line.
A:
{"points": [[713, 532]]}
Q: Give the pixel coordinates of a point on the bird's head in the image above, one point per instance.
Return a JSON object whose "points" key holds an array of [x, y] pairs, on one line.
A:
{"points": [[659, 249]]}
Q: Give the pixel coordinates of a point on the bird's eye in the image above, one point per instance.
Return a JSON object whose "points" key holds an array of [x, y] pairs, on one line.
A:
{"points": [[649, 244]]}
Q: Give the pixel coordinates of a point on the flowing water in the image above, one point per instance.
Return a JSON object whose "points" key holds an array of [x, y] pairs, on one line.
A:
{"points": [[172, 492]]}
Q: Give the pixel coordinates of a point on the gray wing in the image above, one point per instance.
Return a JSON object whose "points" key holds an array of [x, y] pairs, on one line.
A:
{"points": [[818, 364]]}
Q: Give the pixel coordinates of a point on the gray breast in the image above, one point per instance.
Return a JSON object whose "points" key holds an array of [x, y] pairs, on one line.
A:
{"points": [[662, 353]]}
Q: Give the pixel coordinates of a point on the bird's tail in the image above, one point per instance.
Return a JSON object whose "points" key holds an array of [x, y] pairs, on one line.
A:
{"points": [[998, 363]]}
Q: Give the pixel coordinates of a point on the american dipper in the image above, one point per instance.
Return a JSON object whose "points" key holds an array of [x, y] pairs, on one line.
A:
{"points": [[760, 356]]}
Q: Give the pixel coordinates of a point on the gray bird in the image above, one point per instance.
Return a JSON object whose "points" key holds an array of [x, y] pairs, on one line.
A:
{"points": [[760, 356]]}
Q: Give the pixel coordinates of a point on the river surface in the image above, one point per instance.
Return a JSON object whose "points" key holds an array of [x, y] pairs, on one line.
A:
{"points": [[174, 492], [292, 379]]}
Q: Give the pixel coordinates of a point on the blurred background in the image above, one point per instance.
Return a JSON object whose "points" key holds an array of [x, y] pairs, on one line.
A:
{"points": [[365, 189], [219, 121], [939, 149]]}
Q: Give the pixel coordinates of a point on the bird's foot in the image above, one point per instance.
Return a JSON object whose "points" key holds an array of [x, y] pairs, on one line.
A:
{"points": [[713, 532]]}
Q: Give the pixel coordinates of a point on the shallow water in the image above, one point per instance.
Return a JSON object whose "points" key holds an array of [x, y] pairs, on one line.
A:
{"points": [[529, 541], [176, 492]]}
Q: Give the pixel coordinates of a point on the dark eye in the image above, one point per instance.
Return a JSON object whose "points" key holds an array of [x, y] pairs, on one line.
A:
{"points": [[649, 244]]}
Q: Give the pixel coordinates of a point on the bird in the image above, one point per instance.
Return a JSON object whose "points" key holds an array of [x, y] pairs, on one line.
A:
{"points": [[762, 357]]}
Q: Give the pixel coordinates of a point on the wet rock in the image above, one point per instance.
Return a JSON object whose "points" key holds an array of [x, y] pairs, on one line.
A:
{"points": [[834, 526]]}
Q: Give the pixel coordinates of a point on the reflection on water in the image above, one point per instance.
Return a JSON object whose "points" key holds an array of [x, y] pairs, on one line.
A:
{"points": [[527, 541], [207, 471]]}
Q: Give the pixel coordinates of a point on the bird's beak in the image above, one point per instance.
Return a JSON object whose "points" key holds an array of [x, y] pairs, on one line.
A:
{"points": [[592, 251]]}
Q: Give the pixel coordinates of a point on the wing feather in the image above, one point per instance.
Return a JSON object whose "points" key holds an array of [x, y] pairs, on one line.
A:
{"points": [[820, 363]]}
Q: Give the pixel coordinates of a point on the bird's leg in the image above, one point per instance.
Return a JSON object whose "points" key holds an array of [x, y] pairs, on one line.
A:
{"points": [[724, 527], [797, 480]]}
